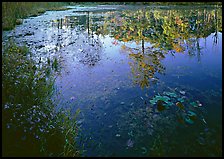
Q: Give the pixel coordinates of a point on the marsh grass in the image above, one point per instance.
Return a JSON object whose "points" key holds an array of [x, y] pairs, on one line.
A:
{"points": [[30, 124], [12, 11]]}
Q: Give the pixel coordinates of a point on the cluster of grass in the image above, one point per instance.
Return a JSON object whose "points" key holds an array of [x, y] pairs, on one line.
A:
{"points": [[13, 12], [30, 124]]}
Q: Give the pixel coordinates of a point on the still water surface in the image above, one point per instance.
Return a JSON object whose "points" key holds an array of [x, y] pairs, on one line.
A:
{"points": [[148, 80]]}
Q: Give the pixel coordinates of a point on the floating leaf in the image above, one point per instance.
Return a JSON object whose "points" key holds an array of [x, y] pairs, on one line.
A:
{"points": [[188, 120], [180, 105], [152, 101], [180, 100], [169, 104], [170, 94], [163, 98], [192, 115], [194, 104]]}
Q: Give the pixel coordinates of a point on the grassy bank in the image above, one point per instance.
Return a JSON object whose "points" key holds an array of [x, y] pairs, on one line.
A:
{"points": [[145, 3], [14, 12], [30, 124]]}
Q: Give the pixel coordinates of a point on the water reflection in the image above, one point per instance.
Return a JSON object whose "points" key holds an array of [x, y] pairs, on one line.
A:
{"points": [[168, 31], [175, 31], [147, 35], [142, 43], [88, 43]]}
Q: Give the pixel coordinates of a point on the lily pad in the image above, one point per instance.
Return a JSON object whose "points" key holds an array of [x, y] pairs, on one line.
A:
{"points": [[194, 104], [170, 94], [188, 120], [192, 115], [163, 98], [153, 101], [181, 100], [169, 104]]}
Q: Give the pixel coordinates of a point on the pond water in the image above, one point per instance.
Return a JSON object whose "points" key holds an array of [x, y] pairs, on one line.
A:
{"points": [[148, 80]]}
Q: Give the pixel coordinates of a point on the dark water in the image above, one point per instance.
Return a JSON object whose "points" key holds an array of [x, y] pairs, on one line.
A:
{"points": [[115, 60]]}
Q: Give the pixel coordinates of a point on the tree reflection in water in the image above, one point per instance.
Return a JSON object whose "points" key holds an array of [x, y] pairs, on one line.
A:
{"points": [[154, 32], [89, 44], [148, 36], [167, 31]]}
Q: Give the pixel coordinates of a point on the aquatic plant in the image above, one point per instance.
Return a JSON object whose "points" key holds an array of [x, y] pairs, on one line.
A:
{"points": [[30, 121], [182, 103], [158, 97]]}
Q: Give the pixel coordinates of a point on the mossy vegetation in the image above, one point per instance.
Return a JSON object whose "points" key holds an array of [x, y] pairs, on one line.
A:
{"points": [[12, 11], [31, 126]]}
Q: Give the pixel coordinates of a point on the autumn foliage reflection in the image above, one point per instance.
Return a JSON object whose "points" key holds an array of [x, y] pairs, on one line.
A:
{"points": [[153, 33], [173, 31]]}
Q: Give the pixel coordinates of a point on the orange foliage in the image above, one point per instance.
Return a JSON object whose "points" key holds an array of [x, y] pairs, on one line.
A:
{"points": [[177, 48], [117, 37], [123, 47], [124, 40], [178, 21]]}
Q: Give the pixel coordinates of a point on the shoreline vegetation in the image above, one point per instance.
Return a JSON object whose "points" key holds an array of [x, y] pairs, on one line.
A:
{"points": [[13, 13], [145, 3], [30, 124]]}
